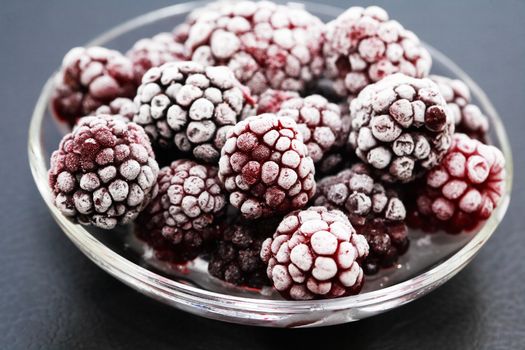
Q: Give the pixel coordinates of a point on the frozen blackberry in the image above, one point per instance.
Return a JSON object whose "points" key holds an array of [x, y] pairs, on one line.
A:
{"points": [[314, 254], [190, 198], [469, 119], [89, 78], [401, 126], [265, 167], [104, 172], [271, 100], [363, 45], [237, 258], [188, 245], [318, 120], [154, 52], [375, 212], [190, 106], [464, 189], [122, 106], [264, 44]]}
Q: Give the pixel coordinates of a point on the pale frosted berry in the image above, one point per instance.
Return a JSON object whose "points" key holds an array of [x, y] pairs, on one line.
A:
{"points": [[104, 172], [464, 189], [375, 212], [314, 254], [89, 78], [236, 258], [190, 106], [401, 126], [122, 106], [271, 100], [469, 119], [265, 167], [318, 120], [363, 46], [190, 198], [154, 52], [266, 45]]}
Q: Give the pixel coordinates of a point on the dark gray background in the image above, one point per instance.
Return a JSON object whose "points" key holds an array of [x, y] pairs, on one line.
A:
{"points": [[52, 297]]}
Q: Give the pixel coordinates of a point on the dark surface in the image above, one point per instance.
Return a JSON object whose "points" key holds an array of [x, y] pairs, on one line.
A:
{"points": [[52, 297]]}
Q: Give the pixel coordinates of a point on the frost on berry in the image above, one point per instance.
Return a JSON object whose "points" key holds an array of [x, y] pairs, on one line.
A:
{"points": [[401, 126], [191, 107], [318, 121], [363, 45], [104, 172], [468, 118], [89, 78], [464, 189], [314, 254], [265, 167], [375, 212], [266, 45], [154, 52]]}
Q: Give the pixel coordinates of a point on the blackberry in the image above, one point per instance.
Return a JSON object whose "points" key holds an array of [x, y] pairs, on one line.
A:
{"points": [[264, 44], [89, 78], [315, 253], [271, 100], [104, 172], [363, 45], [266, 168], [463, 189], [401, 126], [237, 258], [191, 107], [190, 197], [154, 52]]}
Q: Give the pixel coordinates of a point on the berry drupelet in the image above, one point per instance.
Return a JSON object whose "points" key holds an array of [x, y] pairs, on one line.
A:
{"points": [[266, 45], [265, 167], [375, 212], [190, 106], [463, 190], [363, 45], [314, 254], [104, 172], [89, 78], [401, 126]]}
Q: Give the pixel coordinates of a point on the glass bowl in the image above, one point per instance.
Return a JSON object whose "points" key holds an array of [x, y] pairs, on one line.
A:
{"points": [[431, 261]]}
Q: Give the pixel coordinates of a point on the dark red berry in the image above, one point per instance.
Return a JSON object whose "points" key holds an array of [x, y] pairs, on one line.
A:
{"points": [[89, 78], [266, 168], [104, 172], [314, 254], [362, 46], [463, 190]]}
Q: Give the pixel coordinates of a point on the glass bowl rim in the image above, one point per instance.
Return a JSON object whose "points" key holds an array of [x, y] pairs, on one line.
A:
{"points": [[164, 288]]}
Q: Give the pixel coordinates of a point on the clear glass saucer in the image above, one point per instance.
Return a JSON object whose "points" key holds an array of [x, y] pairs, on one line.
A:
{"points": [[430, 262]]}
